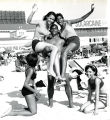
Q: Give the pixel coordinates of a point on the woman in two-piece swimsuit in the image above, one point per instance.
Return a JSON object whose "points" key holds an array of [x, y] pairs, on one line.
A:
{"points": [[29, 90], [72, 41], [42, 29]]}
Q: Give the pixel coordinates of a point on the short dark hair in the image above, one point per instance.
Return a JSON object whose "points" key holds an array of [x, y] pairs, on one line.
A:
{"points": [[53, 26], [59, 14], [93, 67], [48, 14], [32, 59], [79, 72]]}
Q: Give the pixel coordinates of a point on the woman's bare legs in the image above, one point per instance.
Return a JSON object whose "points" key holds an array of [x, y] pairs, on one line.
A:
{"points": [[84, 106], [88, 107], [71, 46], [57, 66], [40, 47], [32, 107], [58, 71]]}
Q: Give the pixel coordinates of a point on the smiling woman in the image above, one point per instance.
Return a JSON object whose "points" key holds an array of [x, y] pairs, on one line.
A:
{"points": [[97, 94]]}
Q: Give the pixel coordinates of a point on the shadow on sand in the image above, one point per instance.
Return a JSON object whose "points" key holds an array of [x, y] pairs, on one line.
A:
{"points": [[15, 94], [42, 100], [15, 105]]}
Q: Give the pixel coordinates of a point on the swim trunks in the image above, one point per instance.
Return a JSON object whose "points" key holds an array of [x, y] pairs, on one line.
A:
{"points": [[73, 39], [34, 43], [25, 91]]}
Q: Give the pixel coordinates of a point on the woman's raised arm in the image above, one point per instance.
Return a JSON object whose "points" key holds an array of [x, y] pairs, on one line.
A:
{"points": [[83, 17], [29, 19]]}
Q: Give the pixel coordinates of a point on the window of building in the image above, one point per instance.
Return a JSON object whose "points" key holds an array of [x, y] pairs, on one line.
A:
{"points": [[94, 40], [103, 39]]}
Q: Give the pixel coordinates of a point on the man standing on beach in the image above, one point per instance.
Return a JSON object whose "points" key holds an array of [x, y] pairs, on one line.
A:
{"points": [[59, 42]]}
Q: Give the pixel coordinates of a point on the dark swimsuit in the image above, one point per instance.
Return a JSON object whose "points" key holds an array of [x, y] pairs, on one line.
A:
{"points": [[102, 96], [34, 43], [25, 91], [93, 85], [73, 39]]}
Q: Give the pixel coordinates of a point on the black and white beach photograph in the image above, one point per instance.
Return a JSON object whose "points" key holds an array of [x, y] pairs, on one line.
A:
{"points": [[54, 60]]}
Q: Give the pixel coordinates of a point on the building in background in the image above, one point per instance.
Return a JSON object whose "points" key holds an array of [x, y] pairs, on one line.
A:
{"points": [[93, 36], [12, 17], [14, 32]]}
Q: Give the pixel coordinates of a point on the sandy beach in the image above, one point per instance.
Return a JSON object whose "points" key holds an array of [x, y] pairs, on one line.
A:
{"points": [[10, 95]]}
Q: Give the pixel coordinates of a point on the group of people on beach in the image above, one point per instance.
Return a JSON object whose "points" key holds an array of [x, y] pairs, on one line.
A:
{"points": [[56, 43]]}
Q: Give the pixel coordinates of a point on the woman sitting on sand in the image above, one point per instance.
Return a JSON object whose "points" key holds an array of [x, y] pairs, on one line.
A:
{"points": [[97, 96]]}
